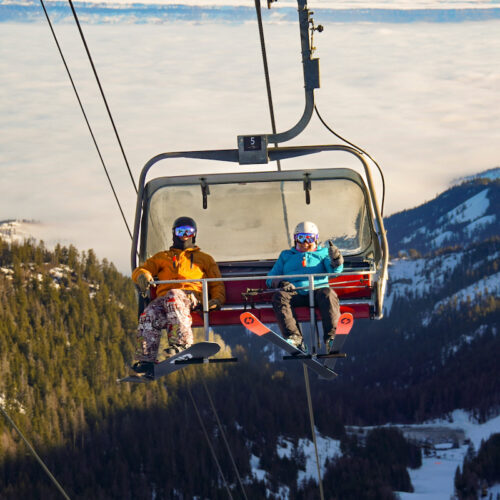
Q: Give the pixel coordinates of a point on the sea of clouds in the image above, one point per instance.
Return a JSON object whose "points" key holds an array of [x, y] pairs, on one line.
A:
{"points": [[422, 98]]}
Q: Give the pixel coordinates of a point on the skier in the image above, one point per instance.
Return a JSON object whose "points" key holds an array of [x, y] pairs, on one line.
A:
{"points": [[171, 310], [307, 256]]}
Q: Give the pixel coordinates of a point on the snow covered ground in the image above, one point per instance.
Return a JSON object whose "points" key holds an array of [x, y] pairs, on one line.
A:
{"points": [[434, 480], [327, 448], [492, 174]]}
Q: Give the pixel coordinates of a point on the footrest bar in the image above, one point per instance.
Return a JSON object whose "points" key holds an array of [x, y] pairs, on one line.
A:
{"points": [[333, 355], [200, 361]]}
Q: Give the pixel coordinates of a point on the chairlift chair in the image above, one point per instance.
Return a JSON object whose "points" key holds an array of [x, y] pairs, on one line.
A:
{"points": [[245, 218]]}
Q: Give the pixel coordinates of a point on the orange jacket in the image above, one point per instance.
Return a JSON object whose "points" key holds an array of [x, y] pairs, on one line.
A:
{"points": [[176, 264]]}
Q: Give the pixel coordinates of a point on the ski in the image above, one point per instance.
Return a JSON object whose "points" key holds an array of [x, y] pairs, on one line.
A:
{"points": [[344, 326], [252, 323]]}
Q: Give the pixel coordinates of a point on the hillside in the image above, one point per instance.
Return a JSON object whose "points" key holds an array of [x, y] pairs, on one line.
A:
{"points": [[467, 212], [67, 326]]}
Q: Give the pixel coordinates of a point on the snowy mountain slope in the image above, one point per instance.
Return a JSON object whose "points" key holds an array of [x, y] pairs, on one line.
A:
{"points": [[461, 215], [18, 230], [491, 174], [445, 278], [435, 479]]}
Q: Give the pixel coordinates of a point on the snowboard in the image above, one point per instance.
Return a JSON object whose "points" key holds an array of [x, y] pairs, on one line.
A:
{"points": [[249, 321], [344, 326], [197, 353]]}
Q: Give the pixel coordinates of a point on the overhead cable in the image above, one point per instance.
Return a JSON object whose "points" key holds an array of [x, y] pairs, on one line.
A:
{"points": [[313, 430], [273, 123], [361, 151], [271, 108], [85, 117], [202, 425], [224, 438], [102, 92], [266, 70], [34, 453]]}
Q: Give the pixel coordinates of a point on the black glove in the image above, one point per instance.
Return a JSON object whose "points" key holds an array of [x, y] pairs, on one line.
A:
{"points": [[214, 304], [286, 286], [336, 258]]}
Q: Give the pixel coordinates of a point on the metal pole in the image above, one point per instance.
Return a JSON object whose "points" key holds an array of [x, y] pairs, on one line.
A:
{"points": [[312, 314], [206, 325]]}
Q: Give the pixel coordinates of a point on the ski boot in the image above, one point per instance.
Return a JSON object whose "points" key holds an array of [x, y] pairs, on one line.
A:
{"points": [[297, 342], [144, 369], [329, 344], [174, 349]]}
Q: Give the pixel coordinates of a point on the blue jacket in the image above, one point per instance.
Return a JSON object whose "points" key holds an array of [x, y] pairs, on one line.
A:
{"points": [[294, 262]]}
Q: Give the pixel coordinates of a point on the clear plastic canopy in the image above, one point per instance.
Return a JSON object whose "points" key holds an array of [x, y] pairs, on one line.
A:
{"points": [[255, 220]]}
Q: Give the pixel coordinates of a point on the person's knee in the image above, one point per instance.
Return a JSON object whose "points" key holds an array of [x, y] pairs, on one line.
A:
{"points": [[325, 295], [174, 293], [280, 299]]}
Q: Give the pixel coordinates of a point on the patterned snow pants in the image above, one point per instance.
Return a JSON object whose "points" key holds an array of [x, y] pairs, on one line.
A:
{"points": [[170, 312]]}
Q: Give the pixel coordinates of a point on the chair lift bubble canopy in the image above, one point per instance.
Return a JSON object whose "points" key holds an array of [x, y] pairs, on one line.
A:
{"points": [[251, 217]]}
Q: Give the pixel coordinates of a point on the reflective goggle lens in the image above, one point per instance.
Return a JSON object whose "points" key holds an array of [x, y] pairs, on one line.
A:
{"points": [[185, 231], [306, 237]]}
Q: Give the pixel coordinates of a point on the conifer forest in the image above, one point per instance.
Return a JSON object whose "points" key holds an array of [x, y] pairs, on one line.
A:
{"points": [[67, 329]]}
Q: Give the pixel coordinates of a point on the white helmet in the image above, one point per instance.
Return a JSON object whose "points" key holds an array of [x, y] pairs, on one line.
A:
{"points": [[306, 227]]}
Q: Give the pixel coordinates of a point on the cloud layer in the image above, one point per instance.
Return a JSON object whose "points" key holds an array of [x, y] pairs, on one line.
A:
{"points": [[421, 98]]}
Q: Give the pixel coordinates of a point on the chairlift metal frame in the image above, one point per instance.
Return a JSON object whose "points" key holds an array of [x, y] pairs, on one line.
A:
{"points": [[255, 149]]}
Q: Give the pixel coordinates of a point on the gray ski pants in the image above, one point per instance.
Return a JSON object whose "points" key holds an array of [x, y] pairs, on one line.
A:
{"points": [[325, 299]]}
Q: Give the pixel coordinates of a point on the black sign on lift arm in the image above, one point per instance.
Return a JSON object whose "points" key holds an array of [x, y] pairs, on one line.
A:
{"points": [[252, 149]]}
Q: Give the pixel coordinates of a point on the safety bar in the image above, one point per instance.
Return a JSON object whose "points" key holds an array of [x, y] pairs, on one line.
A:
{"points": [[205, 281]]}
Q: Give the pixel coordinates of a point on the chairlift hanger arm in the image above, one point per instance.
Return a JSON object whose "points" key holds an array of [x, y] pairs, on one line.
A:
{"points": [[253, 148], [310, 69]]}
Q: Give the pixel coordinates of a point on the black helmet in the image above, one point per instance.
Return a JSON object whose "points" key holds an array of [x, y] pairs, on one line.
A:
{"points": [[184, 221]]}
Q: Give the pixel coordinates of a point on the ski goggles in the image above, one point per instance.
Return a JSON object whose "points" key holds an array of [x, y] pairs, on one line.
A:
{"points": [[306, 237], [184, 231]]}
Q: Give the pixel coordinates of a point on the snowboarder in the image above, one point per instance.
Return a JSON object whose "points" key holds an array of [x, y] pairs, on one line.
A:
{"points": [[171, 310], [307, 256]]}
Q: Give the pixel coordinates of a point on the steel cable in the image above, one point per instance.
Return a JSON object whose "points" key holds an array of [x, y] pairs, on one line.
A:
{"points": [[361, 151], [102, 92], [112, 187], [85, 118], [34, 453], [206, 435], [313, 430], [271, 110], [224, 438]]}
